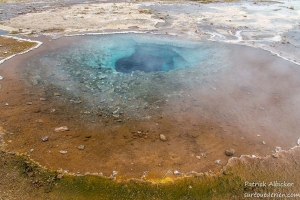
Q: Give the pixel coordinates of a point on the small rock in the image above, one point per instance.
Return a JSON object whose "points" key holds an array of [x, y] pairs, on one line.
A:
{"points": [[1, 77], [218, 161], [60, 176], [162, 137], [176, 172], [275, 155], [61, 129], [43, 99], [31, 150], [229, 152], [57, 94], [298, 142], [198, 157], [45, 139], [6, 104], [63, 152], [81, 147], [277, 149], [28, 103]]}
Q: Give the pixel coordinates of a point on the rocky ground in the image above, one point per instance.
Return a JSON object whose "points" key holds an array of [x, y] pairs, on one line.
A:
{"points": [[269, 25]]}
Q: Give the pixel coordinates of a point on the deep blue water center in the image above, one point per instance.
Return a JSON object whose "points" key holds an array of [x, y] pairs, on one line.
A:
{"points": [[148, 58], [127, 53]]}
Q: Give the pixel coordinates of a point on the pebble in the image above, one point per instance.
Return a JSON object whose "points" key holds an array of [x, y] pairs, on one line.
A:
{"points": [[218, 161], [61, 129], [229, 152], [28, 103], [6, 104], [57, 94], [81, 147], [45, 139], [42, 99], [176, 172], [298, 142], [63, 152], [162, 137], [277, 149], [276, 155], [60, 176], [1, 77]]}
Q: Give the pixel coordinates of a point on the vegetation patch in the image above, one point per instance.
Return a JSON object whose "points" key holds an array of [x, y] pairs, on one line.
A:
{"points": [[10, 46]]}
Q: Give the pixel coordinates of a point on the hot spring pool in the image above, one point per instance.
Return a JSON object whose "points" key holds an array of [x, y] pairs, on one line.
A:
{"points": [[118, 93]]}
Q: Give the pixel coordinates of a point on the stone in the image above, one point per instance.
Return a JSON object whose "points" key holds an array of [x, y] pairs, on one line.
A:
{"points": [[61, 129], [218, 161], [162, 137], [81, 147], [60, 176], [229, 152], [28, 103], [63, 152], [57, 94], [1, 77], [176, 172], [43, 99], [277, 149], [45, 139]]}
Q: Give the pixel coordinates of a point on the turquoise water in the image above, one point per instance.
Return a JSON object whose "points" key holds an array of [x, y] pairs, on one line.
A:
{"points": [[108, 70], [135, 52]]}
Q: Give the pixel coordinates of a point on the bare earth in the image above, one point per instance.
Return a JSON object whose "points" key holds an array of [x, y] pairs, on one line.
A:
{"points": [[253, 107]]}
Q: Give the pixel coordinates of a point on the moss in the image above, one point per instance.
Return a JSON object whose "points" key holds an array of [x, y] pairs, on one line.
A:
{"points": [[226, 185], [144, 11], [11, 46], [93, 187]]}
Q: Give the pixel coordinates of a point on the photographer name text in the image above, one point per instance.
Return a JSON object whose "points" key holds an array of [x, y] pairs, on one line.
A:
{"points": [[269, 184]]}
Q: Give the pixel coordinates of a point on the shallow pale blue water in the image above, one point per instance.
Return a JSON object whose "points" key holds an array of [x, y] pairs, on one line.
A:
{"points": [[131, 52], [107, 70], [3, 32]]}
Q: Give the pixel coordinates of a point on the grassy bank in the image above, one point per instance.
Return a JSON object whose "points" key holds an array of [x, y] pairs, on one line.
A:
{"points": [[23, 178]]}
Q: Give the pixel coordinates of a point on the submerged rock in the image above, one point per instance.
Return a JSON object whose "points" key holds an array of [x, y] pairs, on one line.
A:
{"points": [[61, 129], [63, 152], [81, 147], [176, 172], [45, 139], [229, 152], [162, 137]]}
